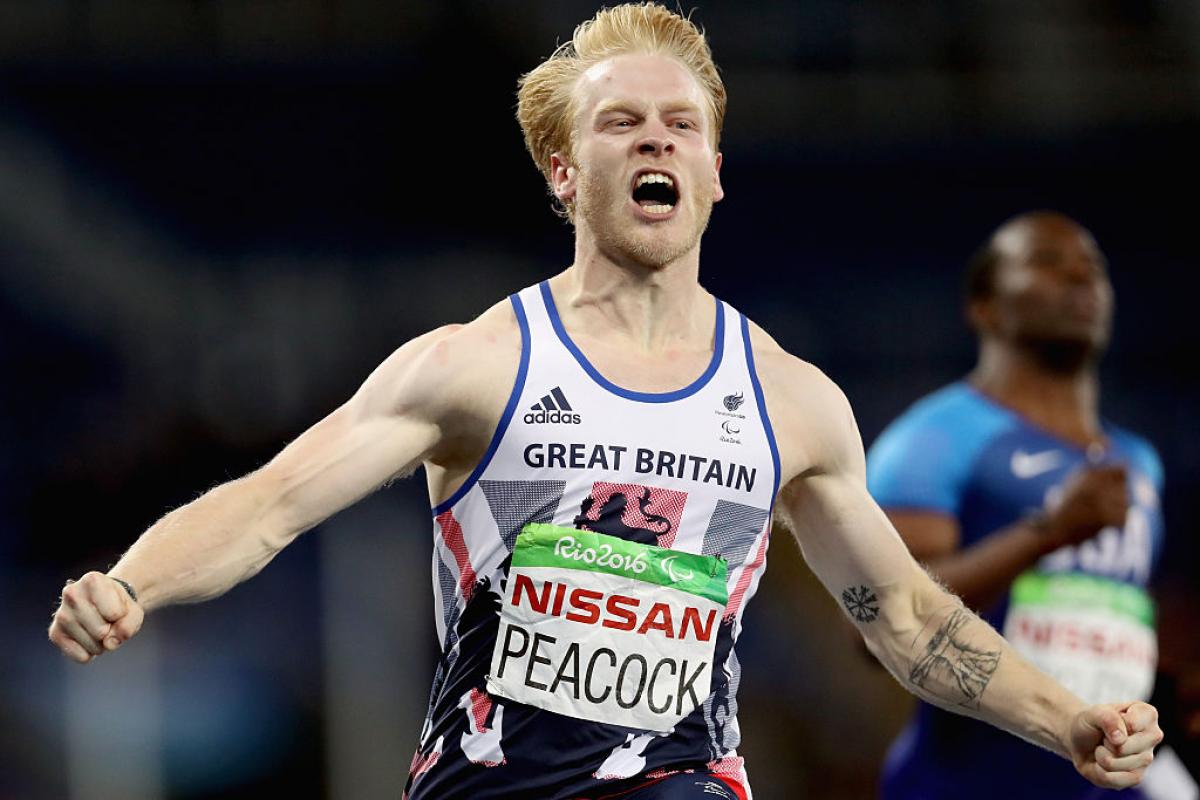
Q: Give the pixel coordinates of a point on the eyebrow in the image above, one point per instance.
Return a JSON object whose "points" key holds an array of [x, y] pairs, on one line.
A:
{"points": [[639, 107], [682, 106], [619, 107]]}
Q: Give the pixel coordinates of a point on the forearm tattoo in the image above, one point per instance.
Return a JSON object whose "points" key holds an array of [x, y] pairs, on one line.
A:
{"points": [[951, 669], [861, 602]]}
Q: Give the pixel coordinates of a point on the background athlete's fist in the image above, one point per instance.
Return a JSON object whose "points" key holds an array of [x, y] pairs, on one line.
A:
{"points": [[96, 615], [1092, 499], [1111, 745]]}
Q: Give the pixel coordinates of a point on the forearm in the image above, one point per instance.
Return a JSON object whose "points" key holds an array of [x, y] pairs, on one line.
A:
{"points": [[981, 574], [947, 656], [203, 549], [924, 635]]}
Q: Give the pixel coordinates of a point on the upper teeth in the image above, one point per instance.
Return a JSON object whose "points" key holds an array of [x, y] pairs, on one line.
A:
{"points": [[654, 177]]}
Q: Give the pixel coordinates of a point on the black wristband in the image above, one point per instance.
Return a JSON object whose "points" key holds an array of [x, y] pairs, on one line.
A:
{"points": [[128, 588]]}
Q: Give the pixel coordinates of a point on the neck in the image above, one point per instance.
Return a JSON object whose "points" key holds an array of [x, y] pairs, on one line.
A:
{"points": [[652, 307], [1065, 403]]}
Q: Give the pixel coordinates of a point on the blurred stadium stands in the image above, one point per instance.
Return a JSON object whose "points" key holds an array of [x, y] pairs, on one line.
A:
{"points": [[216, 216]]}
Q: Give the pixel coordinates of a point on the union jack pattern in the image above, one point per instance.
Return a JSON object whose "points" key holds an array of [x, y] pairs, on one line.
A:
{"points": [[485, 747]]}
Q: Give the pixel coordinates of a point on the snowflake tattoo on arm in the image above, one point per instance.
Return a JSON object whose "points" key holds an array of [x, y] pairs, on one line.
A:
{"points": [[861, 602]]}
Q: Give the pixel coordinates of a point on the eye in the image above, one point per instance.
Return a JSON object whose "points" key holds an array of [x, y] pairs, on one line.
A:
{"points": [[684, 125]]}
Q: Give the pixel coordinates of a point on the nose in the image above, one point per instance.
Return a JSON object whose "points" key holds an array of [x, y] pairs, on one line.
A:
{"points": [[656, 143]]}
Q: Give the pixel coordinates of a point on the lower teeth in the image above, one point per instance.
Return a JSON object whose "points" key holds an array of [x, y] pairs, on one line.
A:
{"points": [[657, 209]]}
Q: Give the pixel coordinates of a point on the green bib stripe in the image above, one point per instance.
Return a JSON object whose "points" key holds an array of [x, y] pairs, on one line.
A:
{"points": [[1076, 591], [538, 545]]}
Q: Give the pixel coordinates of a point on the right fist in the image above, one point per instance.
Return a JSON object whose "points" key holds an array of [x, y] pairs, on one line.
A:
{"points": [[95, 615], [1092, 499]]}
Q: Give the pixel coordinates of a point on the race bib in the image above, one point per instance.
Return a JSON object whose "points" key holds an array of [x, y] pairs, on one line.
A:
{"points": [[1094, 635], [604, 629]]}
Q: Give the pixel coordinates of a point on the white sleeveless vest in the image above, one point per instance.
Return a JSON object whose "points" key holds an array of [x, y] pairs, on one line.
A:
{"points": [[694, 470]]}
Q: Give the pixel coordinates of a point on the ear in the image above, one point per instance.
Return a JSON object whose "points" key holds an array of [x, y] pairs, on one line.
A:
{"points": [[718, 191], [564, 178], [981, 316]]}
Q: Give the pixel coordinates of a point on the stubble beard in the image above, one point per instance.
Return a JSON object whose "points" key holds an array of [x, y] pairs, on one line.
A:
{"points": [[1064, 352], [1063, 356], [624, 239]]}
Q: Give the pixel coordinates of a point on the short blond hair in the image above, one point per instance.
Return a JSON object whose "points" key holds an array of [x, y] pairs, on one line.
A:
{"points": [[545, 95]]}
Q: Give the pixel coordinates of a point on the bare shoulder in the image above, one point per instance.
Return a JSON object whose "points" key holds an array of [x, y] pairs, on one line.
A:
{"points": [[814, 425], [488, 344], [795, 384], [450, 370]]}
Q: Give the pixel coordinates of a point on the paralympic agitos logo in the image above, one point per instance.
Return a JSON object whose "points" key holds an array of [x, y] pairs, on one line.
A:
{"points": [[553, 407]]}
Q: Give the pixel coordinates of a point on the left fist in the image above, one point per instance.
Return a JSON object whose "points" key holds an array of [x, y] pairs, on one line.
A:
{"points": [[1112, 744]]}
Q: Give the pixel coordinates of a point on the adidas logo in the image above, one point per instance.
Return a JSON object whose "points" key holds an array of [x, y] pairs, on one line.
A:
{"points": [[552, 408]]}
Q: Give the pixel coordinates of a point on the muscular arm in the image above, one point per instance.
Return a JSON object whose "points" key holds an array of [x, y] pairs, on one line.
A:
{"points": [[925, 637], [1091, 499], [228, 534], [435, 400]]}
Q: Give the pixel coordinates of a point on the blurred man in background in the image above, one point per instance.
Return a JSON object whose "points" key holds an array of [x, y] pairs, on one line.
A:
{"points": [[1018, 496], [621, 398]]}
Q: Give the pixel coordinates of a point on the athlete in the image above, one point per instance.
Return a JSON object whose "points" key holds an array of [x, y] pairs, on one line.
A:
{"points": [[604, 452], [1028, 505]]}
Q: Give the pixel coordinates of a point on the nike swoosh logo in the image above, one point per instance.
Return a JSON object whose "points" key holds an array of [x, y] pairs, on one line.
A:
{"points": [[1030, 465]]}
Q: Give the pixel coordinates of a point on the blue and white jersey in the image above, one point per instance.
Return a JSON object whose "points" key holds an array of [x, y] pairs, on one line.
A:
{"points": [[1081, 614], [576, 685]]}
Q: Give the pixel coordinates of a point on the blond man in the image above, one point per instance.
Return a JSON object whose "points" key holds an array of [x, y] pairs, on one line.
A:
{"points": [[604, 453]]}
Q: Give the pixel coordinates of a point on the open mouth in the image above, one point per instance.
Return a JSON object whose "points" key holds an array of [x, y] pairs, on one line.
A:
{"points": [[655, 192]]}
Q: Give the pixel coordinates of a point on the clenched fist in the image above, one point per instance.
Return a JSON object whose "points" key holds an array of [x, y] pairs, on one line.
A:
{"points": [[96, 615], [1111, 745], [1092, 500]]}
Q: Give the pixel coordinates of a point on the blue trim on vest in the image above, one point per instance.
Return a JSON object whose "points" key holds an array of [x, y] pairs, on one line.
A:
{"points": [[641, 397], [762, 405], [518, 387]]}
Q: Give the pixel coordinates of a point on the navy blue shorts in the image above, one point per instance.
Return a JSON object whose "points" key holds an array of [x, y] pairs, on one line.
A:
{"points": [[681, 786]]}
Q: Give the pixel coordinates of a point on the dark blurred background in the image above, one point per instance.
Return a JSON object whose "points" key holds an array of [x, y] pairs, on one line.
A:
{"points": [[217, 216]]}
